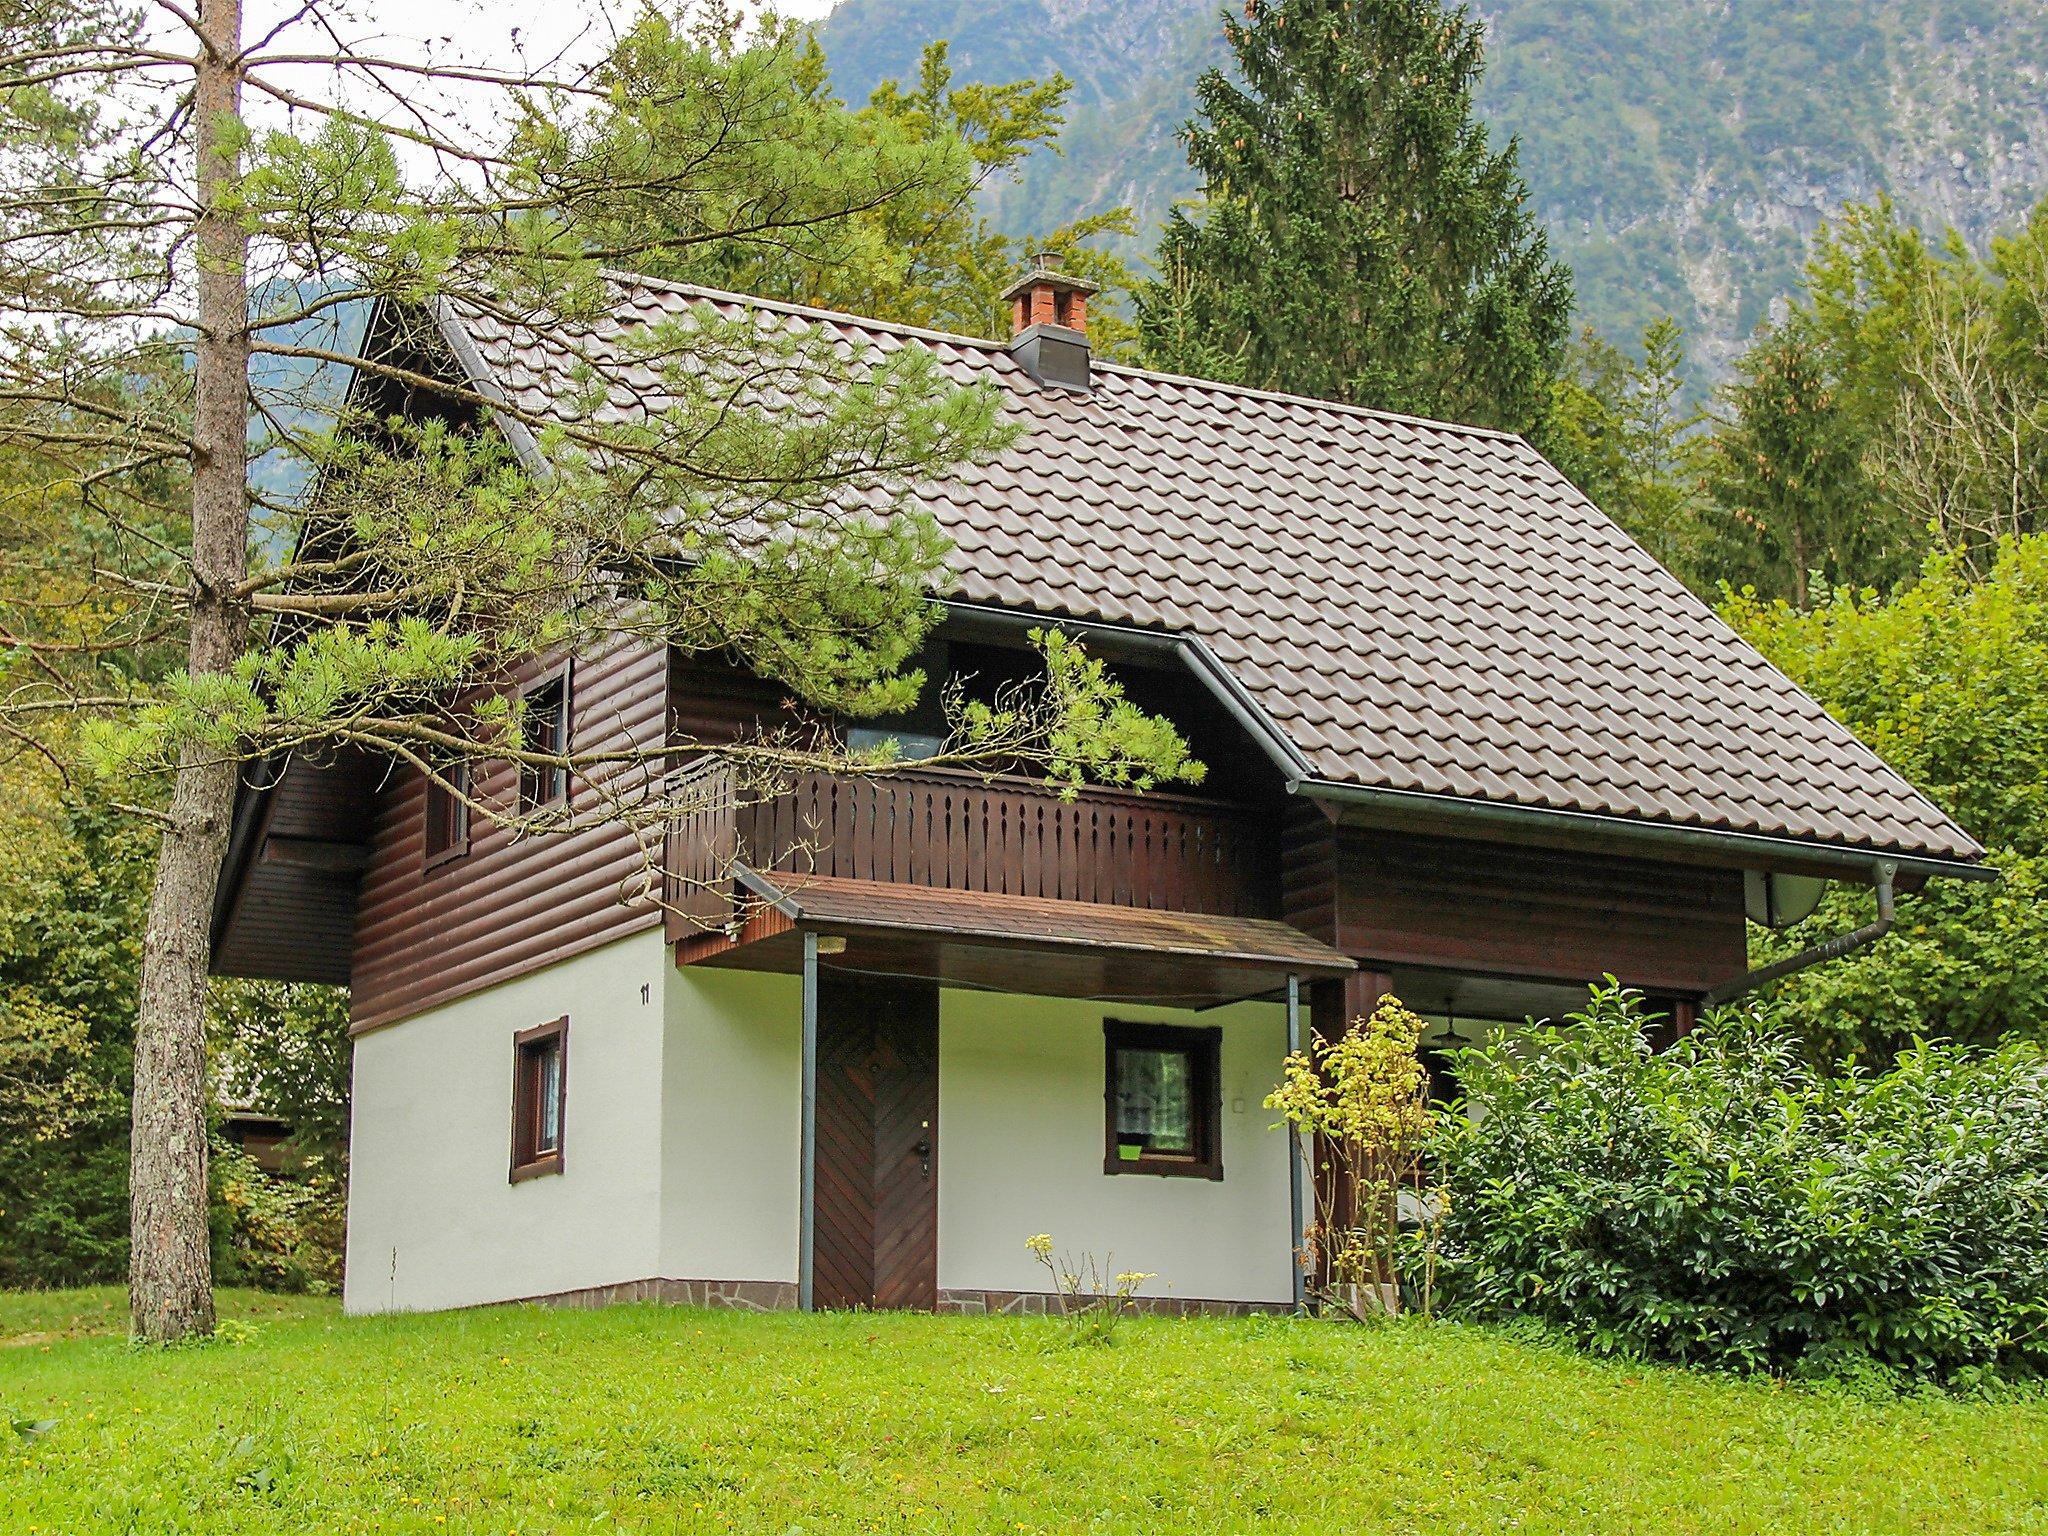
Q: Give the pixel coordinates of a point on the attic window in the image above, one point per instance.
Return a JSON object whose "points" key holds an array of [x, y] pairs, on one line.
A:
{"points": [[540, 1084], [546, 710]]}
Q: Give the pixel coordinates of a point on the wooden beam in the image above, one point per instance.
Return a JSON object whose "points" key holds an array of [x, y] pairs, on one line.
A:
{"points": [[317, 853], [1334, 1007]]}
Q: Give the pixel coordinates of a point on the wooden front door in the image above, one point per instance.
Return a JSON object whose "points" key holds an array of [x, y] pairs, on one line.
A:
{"points": [[877, 1220]]}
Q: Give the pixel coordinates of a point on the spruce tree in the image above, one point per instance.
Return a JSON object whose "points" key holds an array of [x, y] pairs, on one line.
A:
{"points": [[1358, 237], [1791, 501]]}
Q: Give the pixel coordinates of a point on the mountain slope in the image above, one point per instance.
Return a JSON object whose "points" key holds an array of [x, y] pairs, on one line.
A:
{"points": [[1681, 151]]}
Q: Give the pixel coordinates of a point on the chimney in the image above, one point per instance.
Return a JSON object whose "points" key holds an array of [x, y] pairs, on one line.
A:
{"points": [[1049, 323]]}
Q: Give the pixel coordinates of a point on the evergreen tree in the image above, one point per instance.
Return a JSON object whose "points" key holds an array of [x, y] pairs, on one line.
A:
{"points": [[872, 211], [1619, 429], [1791, 500], [1662, 452], [1588, 431], [1358, 233]]}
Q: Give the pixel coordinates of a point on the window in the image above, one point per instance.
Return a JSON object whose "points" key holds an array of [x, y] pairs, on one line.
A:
{"points": [[540, 1083], [1163, 1100], [448, 815], [546, 730]]}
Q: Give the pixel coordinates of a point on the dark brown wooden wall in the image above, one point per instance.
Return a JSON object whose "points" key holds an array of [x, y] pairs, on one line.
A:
{"points": [[507, 907], [1495, 908], [293, 912], [712, 702]]}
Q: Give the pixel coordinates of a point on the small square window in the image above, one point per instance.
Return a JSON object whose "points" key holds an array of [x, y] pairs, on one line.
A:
{"points": [[447, 814], [1163, 1100], [540, 1083], [546, 730]]}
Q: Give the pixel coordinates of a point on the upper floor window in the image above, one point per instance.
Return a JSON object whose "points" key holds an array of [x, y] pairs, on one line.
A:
{"points": [[447, 814], [1163, 1100], [547, 731], [540, 1082]]}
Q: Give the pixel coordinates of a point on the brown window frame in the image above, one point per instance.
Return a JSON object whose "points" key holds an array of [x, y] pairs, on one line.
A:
{"points": [[529, 1160], [530, 781], [449, 803], [1204, 1045]]}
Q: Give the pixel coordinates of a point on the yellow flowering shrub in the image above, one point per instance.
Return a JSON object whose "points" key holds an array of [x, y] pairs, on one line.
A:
{"points": [[1363, 1100]]}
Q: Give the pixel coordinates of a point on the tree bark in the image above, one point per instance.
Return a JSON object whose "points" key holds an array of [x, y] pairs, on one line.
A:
{"points": [[170, 1271]]}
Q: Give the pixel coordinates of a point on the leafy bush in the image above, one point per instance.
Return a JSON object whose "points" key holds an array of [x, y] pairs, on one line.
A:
{"points": [[1362, 1100], [1726, 1203], [1948, 680], [275, 1234]]}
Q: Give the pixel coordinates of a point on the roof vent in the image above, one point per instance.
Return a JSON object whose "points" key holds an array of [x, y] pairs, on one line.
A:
{"points": [[1049, 323]]}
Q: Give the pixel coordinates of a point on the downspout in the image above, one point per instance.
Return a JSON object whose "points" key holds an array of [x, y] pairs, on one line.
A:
{"points": [[1297, 1228], [807, 1137], [1829, 949]]}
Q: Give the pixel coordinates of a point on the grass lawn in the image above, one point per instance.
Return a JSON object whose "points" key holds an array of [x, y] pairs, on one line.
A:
{"points": [[652, 1419]]}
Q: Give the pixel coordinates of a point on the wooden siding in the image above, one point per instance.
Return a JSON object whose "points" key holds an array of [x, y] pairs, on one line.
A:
{"points": [[1308, 871], [509, 906], [290, 914], [1496, 908]]}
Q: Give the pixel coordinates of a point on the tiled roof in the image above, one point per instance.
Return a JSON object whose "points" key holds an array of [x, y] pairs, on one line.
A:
{"points": [[1417, 606]]}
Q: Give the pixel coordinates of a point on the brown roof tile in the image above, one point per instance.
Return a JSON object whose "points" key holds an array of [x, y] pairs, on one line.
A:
{"points": [[1419, 606]]}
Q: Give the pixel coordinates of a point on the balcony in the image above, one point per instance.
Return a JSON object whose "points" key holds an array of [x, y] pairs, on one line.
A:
{"points": [[964, 832]]}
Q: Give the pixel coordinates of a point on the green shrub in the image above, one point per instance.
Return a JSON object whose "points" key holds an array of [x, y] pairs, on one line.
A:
{"points": [[1725, 1203], [277, 1234], [1948, 680]]}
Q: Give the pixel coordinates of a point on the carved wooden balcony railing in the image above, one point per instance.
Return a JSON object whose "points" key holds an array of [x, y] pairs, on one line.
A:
{"points": [[961, 831]]}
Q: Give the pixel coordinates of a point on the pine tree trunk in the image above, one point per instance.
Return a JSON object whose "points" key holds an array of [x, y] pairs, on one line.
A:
{"points": [[170, 1270]]}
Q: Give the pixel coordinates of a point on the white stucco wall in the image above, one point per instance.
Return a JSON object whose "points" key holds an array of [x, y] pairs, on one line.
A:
{"points": [[433, 1220], [733, 1075], [1020, 1152]]}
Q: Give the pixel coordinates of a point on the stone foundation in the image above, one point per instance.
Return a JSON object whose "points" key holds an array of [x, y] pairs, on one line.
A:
{"points": [[1043, 1304], [780, 1296], [731, 1295]]}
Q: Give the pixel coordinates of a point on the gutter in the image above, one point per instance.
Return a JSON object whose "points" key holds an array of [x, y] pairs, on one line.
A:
{"points": [[1626, 829], [1828, 949]]}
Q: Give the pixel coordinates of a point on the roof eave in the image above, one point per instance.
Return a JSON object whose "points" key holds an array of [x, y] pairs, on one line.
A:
{"points": [[1737, 849]]}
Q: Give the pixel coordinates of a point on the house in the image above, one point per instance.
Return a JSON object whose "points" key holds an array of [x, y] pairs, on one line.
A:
{"points": [[1469, 744]]}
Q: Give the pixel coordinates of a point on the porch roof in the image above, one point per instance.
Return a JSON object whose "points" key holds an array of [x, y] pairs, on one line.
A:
{"points": [[1021, 944]]}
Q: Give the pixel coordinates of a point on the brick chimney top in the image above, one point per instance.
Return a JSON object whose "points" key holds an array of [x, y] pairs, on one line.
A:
{"points": [[1047, 296], [1049, 322]]}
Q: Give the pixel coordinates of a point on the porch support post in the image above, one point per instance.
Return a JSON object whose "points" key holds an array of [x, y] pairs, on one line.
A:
{"points": [[807, 1166], [1298, 1232]]}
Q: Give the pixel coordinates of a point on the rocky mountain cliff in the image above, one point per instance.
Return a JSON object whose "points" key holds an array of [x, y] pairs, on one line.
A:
{"points": [[1681, 151]]}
